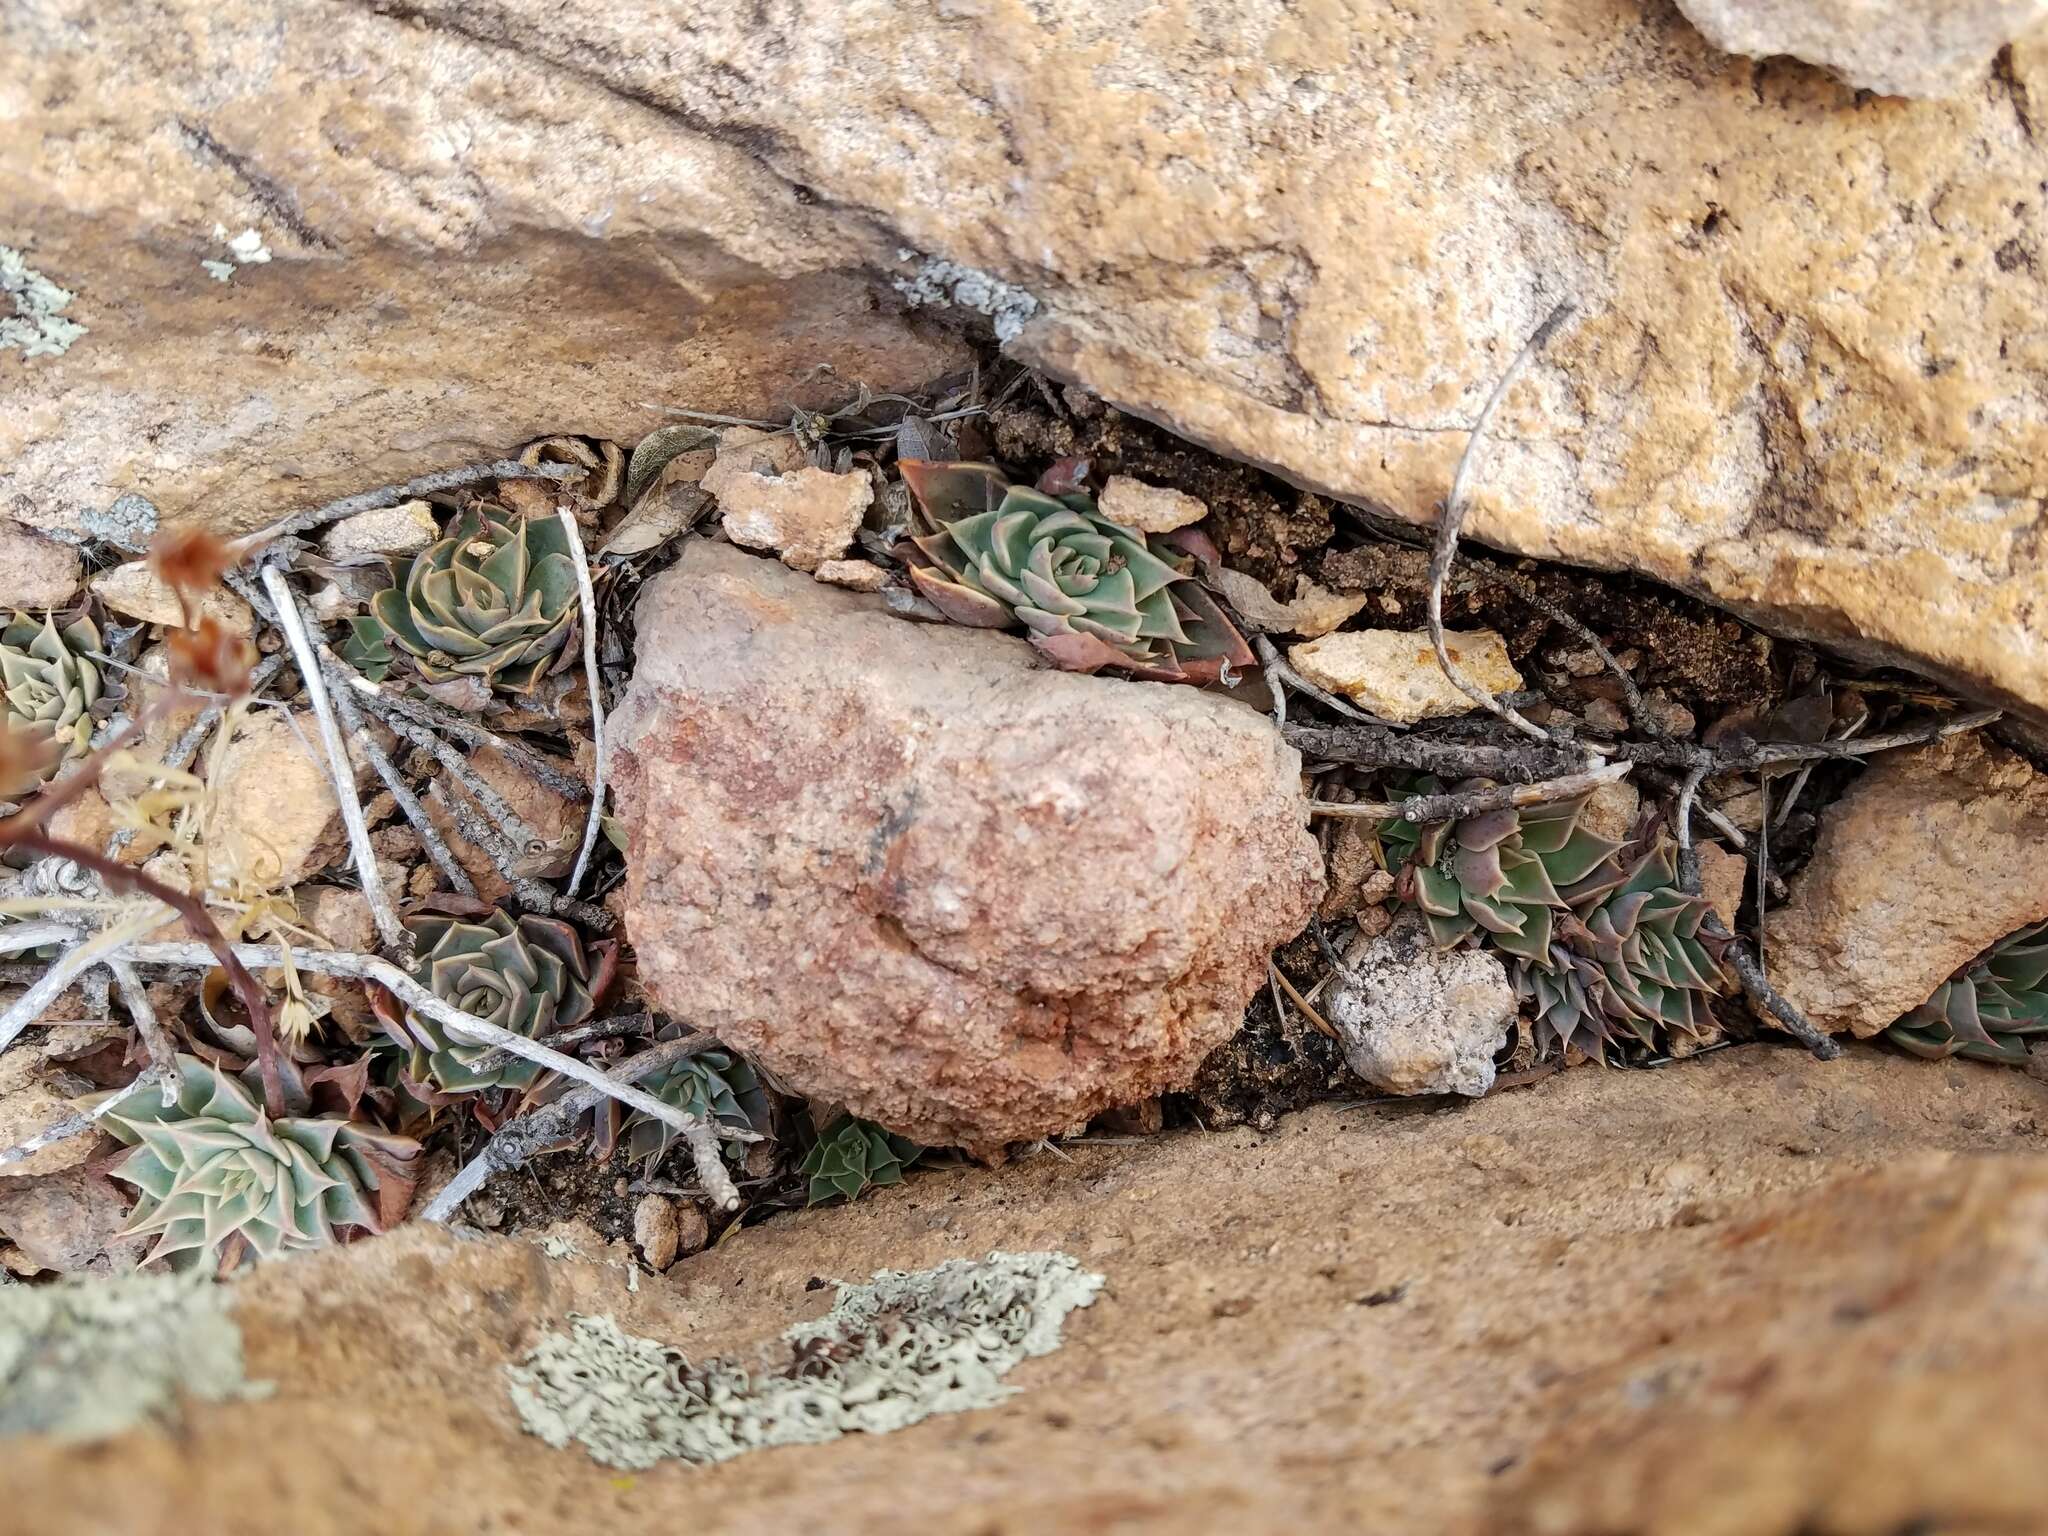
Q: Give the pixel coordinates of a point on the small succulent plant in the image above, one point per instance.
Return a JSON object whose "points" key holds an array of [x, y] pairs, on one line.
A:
{"points": [[48, 681], [531, 975], [714, 1084], [219, 1178], [1636, 957], [1989, 1009], [850, 1156], [1507, 873], [496, 599], [1092, 593]]}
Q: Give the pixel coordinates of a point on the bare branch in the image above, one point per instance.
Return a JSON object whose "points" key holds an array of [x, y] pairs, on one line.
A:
{"points": [[163, 1054], [1451, 521], [595, 819], [1450, 807], [540, 1129], [341, 773], [405, 490]]}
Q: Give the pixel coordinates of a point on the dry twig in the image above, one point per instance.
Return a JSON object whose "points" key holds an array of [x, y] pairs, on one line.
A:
{"points": [[405, 490], [1452, 806], [1452, 521], [595, 819]]}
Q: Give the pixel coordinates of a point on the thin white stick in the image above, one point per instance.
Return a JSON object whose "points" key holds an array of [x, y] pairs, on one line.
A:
{"points": [[339, 769], [15, 937], [81, 1120], [1451, 519], [588, 594], [703, 1136], [163, 1055], [64, 970]]}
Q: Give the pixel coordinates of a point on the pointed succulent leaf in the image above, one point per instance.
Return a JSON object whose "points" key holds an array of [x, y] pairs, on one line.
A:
{"points": [[214, 1174], [49, 683], [1991, 1009]]}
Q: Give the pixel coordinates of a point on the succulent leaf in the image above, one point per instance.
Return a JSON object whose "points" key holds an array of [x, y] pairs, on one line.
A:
{"points": [[1990, 1009], [850, 1156], [1091, 593], [48, 682], [216, 1176], [714, 1084], [1504, 873], [532, 975], [495, 599]]}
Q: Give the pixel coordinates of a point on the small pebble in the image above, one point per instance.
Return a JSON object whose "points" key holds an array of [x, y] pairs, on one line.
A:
{"points": [[655, 1230], [693, 1232]]}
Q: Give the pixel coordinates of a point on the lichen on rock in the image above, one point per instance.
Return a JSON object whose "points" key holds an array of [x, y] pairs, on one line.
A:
{"points": [[903, 1347], [86, 1359]]}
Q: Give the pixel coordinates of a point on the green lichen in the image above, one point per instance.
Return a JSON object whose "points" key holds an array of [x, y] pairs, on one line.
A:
{"points": [[37, 326], [89, 1358], [890, 1353]]}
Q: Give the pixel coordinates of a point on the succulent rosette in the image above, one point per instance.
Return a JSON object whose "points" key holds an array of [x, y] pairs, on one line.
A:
{"points": [[1091, 593], [496, 599], [48, 680], [851, 1156], [1990, 1009], [218, 1178]]}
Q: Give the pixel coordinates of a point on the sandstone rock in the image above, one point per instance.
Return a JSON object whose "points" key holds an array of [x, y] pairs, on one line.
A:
{"points": [[1611, 810], [1722, 875], [136, 591], [692, 1230], [1312, 611], [1932, 856], [1149, 508], [854, 575], [655, 1231], [1416, 1019], [405, 529], [808, 516], [1394, 673], [912, 872], [1770, 360], [35, 572], [751, 451], [1723, 1299], [1893, 47], [273, 819]]}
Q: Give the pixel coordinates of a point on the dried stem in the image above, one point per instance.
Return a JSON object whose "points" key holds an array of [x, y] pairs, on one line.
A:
{"points": [[1450, 807], [385, 705], [408, 803], [199, 922], [1374, 746], [544, 1128], [703, 1135], [1321, 1024], [340, 771], [163, 1053], [1452, 520], [588, 595], [61, 972], [510, 829], [405, 490]]}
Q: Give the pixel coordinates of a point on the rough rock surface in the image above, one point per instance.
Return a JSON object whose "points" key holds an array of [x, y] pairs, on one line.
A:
{"points": [[1395, 675], [915, 873], [1932, 856], [405, 529], [136, 592], [35, 572], [1894, 47], [274, 819], [1751, 1293], [1416, 1019], [1149, 508], [808, 516], [1806, 379]]}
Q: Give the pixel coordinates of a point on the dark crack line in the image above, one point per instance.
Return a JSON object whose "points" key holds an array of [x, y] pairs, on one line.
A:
{"points": [[272, 196]]}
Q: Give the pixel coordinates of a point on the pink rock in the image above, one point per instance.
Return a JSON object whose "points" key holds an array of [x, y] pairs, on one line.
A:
{"points": [[910, 871]]}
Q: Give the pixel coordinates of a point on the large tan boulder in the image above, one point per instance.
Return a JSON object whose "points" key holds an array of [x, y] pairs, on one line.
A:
{"points": [[1805, 380], [911, 871]]}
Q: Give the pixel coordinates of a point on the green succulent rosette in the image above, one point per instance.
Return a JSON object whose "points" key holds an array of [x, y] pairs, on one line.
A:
{"points": [[852, 1156], [1990, 1009], [496, 599], [218, 1178], [48, 681]]}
